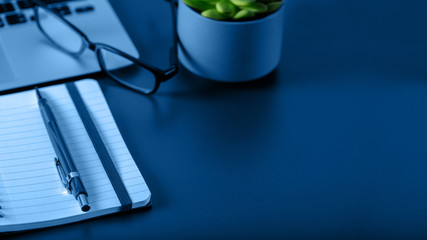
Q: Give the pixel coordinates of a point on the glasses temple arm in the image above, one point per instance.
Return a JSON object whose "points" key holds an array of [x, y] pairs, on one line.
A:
{"points": [[173, 52]]}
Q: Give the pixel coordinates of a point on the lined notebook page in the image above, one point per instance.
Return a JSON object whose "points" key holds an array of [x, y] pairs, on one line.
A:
{"points": [[31, 194]]}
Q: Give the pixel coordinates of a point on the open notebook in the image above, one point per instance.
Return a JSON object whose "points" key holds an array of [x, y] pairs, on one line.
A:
{"points": [[31, 192]]}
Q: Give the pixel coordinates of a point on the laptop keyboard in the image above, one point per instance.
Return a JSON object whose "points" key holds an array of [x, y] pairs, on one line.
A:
{"points": [[6, 7], [11, 11]]}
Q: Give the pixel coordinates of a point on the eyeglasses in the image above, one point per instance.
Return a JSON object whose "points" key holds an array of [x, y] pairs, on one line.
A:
{"points": [[121, 67]]}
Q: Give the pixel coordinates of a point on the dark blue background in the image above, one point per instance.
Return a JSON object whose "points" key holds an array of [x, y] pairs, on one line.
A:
{"points": [[332, 145]]}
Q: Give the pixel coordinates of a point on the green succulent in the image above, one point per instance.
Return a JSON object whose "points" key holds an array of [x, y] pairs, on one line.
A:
{"points": [[234, 10]]}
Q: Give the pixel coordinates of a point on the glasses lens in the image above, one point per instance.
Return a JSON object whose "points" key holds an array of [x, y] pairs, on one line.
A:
{"points": [[59, 32], [129, 72]]}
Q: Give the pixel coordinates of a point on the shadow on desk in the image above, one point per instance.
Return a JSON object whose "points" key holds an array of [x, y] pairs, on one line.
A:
{"points": [[193, 86]]}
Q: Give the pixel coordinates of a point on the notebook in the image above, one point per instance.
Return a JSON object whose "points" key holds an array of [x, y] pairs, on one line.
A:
{"points": [[31, 193]]}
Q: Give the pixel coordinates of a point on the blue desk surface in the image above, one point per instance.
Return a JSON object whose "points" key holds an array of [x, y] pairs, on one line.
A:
{"points": [[333, 145]]}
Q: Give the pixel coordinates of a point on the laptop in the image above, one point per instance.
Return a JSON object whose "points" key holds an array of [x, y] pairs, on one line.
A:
{"points": [[27, 58]]}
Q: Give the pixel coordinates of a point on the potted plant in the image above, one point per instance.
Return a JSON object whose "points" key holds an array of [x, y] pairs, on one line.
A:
{"points": [[230, 40]]}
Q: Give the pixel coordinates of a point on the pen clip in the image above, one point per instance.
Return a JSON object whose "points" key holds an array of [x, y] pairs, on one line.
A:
{"points": [[62, 175], [65, 178]]}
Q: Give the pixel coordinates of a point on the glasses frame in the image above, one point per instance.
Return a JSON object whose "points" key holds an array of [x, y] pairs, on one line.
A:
{"points": [[160, 75]]}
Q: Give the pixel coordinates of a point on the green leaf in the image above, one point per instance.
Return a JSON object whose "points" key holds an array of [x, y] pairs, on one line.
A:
{"points": [[256, 7], [244, 14], [242, 3], [228, 9], [199, 5], [213, 2], [214, 14]]}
